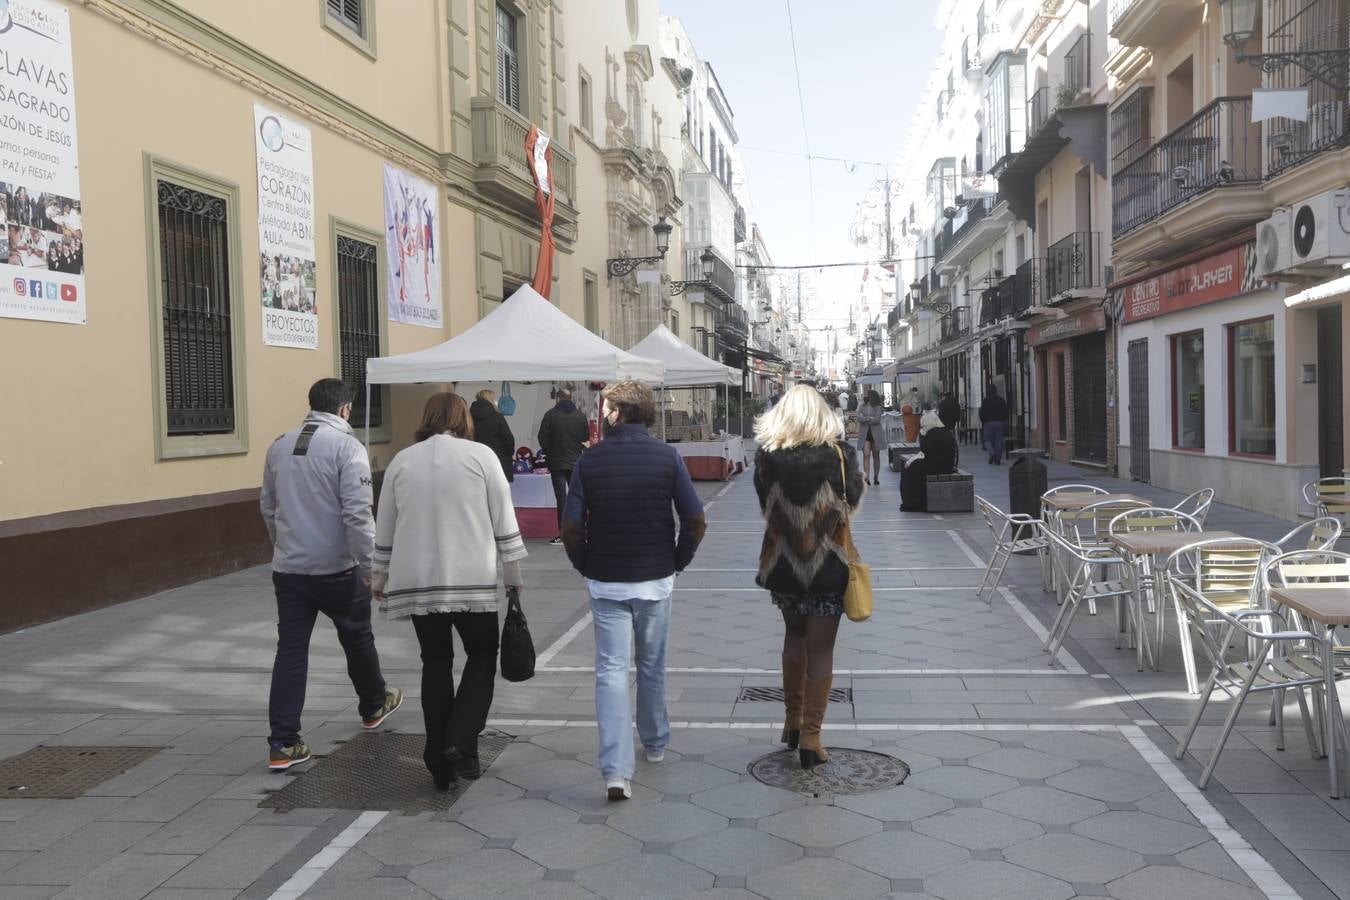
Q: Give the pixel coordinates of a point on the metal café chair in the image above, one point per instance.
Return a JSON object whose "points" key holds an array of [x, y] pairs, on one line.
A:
{"points": [[1321, 533], [1197, 505], [1090, 526], [1275, 663], [1328, 496], [1227, 571], [1050, 515], [1075, 564], [1013, 533], [1152, 518], [1307, 567]]}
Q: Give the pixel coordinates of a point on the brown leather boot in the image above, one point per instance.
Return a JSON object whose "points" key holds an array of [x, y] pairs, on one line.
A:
{"points": [[812, 751], [794, 692]]}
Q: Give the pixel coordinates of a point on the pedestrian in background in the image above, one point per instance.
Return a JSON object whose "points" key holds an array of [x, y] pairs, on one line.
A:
{"points": [[937, 456], [804, 475], [316, 498], [491, 429], [445, 522], [949, 411], [994, 419], [870, 436], [620, 534], [562, 436]]}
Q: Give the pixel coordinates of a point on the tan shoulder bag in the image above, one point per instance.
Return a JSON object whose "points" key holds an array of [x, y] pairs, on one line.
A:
{"points": [[858, 594]]}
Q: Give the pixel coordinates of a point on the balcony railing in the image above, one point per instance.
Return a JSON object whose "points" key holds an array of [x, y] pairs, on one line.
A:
{"points": [[952, 233], [1040, 108], [895, 315], [996, 303], [723, 283], [732, 324], [738, 224], [955, 324], [1117, 10], [499, 156], [1217, 146], [1074, 263], [1078, 66], [1028, 288], [1305, 25]]}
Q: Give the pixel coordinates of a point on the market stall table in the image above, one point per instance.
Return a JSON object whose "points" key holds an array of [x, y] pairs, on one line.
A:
{"points": [[536, 508], [715, 460], [1138, 549], [1329, 606]]}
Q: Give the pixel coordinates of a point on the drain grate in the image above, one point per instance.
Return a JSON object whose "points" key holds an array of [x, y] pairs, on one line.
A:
{"points": [[383, 770], [64, 773], [775, 695], [847, 772]]}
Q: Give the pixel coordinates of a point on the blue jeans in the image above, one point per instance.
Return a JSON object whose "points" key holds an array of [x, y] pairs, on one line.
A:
{"points": [[994, 432], [616, 623]]}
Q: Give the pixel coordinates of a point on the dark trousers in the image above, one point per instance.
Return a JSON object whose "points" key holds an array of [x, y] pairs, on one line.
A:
{"points": [[994, 433], [456, 719], [345, 599], [560, 482]]}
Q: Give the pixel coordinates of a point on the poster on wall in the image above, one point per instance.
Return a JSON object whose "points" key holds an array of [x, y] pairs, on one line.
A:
{"points": [[412, 224], [286, 231], [41, 215]]}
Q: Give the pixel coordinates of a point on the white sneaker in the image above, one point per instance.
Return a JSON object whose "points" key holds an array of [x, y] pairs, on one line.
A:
{"points": [[656, 756], [619, 789]]}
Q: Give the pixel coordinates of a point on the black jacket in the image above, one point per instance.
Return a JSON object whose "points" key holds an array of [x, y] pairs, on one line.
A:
{"points": [[490, 427], [993, 409], [561, 434], [799, 494], [939, 449], [949, 411], [617, 524]]}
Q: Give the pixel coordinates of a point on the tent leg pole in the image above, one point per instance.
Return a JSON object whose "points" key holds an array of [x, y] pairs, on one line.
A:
{"points": [[367, 418]]}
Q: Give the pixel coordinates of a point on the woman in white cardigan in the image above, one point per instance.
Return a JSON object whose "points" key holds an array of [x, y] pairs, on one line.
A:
{"points": [[445, 521]]}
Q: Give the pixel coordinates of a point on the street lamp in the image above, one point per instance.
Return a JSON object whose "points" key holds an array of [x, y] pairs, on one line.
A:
{"points": [[1239, 27], [708, 262], [625, 264]]}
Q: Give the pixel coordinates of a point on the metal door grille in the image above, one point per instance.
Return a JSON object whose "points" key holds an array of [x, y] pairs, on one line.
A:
{"points": [[775, 695], [359, 322], [1139, 429], [1089, 398], [195, 291]]}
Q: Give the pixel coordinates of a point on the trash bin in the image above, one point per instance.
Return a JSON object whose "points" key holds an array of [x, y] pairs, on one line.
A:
{"points": [[1028, 479]]}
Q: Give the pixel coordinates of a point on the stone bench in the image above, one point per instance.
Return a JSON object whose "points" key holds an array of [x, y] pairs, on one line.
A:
{"points": [[951, 493]]}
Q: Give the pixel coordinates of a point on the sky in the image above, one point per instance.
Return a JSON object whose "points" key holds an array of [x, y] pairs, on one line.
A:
{"points": [[863, 66]]}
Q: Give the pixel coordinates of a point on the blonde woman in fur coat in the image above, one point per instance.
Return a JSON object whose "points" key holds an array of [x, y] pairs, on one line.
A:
{"points": [[802, 492]]}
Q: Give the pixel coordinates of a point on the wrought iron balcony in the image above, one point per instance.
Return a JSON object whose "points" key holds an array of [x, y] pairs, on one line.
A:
{"points": [[996, 303], [1028, 290], [501, 170], [732, 324], [1040, 108], [1305, 25], [722, 285], [955, 324], [1078, 67], [1216, 147], [1074, 264], [895, 315], [738, 224]]}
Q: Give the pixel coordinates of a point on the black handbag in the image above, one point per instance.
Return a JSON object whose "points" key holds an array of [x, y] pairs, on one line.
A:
{"points": [[517, 651]]}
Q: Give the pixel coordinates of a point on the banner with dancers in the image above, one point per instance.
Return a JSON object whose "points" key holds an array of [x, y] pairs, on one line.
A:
{"points": [[41, 214], [286, 231], [412, 224]]}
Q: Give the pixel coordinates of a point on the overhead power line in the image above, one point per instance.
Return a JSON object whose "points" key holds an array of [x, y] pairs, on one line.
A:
{"points": [[801, 107]]}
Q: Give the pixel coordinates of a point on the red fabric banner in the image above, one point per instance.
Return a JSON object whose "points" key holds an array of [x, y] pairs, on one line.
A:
{"points": [[539, 157]]}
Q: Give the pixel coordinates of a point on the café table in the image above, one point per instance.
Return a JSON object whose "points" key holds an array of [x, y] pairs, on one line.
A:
{"points": [[1329, 606], [1138, 549]]}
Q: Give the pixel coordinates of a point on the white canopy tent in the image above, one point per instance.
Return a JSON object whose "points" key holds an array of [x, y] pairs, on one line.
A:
{"points": [[527, 338], [685, 366]]}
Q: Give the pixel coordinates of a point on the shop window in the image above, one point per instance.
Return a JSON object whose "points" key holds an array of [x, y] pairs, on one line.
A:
{"points": [[359, 318], [1188, 391], [1251, 383]]}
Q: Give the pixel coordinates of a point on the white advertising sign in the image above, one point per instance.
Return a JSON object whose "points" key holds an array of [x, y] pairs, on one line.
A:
{"points": [[286, 231], [41, 218], [412, 224]]}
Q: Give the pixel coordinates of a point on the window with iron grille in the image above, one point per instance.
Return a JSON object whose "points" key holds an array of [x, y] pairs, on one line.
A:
{"points": [[508, 59], [351, 13], [358, 296], [196, 311], [1131, 131]]}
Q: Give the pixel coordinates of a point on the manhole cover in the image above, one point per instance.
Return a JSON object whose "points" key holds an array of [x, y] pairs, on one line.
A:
{"points": [[775, 695], [383, 770], [847, 772], [64, 773]]}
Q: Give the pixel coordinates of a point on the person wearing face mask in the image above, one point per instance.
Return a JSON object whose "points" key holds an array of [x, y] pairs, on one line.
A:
{"points": [[619, 533]]}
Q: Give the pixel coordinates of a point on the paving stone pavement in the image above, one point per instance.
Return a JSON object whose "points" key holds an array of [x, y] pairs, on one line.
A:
{"points": [[1026, 780]]}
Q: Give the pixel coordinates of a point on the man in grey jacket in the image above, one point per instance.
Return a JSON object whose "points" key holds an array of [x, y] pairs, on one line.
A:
{"points": [[316, 501]]}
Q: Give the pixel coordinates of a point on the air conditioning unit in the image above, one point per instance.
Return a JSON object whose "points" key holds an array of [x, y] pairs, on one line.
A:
{"points": [[1273, 251], [1319, 230]]}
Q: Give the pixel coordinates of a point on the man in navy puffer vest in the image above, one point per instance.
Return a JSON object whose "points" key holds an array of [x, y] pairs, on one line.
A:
{"points": [[619, 532]]}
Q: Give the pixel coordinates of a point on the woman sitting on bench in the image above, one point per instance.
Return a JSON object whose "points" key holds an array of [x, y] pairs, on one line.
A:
{"points": [[937, 457]]}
